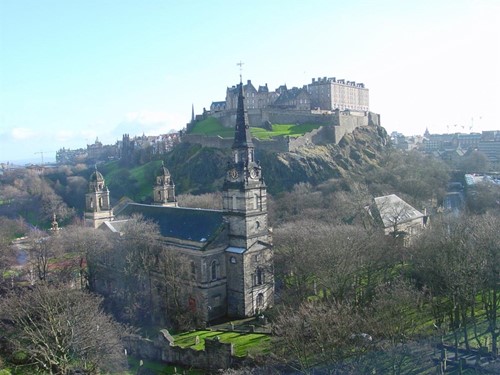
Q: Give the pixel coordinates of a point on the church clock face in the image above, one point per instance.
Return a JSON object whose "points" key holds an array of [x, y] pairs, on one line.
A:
{"points": [[253, 173], [233, 174]]}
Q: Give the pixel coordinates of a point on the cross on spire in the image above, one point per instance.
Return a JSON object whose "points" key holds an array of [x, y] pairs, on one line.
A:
{"points": [[240, 64]]}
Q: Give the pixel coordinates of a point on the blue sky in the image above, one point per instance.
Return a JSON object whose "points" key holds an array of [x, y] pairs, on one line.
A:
{"points": [[71, 71]]}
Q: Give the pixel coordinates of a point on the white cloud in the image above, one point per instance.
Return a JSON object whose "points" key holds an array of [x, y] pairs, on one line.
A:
{"points": [[64, 135], [20, 134]]}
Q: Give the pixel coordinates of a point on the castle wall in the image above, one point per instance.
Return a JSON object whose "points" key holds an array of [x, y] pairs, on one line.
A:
{"points": [[347, 125], [208, 141], [336, 125], [298, 117]]}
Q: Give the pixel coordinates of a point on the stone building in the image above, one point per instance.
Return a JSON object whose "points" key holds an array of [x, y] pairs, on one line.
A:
{"points": [[332, 93], [230, 250], [97, 205], [327, 94], [254, 98], [399, 219]]}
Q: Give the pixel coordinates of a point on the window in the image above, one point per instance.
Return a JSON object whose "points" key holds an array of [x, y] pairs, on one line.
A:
{"points": [[260, 300], [193, 270], [258, 277], [214, 270], [234, 202], [255, 201], [100, 202]]}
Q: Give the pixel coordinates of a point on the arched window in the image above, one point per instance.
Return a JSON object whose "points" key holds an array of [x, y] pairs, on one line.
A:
{"points": [[213, 270], [255, 201], [91, 203], [100, 202], [234, 202]]}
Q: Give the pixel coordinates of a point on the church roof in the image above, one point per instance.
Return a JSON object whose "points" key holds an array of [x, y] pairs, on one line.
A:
{"points": [[191, 224], [96, 176], [163, 171]]}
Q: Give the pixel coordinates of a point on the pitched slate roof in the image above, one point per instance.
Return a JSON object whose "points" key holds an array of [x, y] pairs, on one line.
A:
{"points": [[191, 224], [393, 210]]}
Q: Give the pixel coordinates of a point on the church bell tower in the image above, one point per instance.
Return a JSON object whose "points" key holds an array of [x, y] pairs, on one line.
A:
{"points": [[250, 276], [97, 205], [164, 189]]}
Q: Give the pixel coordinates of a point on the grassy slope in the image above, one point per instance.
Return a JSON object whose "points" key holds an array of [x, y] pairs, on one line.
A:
{"points": [[141, 178], [213, 127]]}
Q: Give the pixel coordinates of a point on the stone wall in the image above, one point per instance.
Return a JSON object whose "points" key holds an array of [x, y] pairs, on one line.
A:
{"points": [[208, 141], [217, 355]]}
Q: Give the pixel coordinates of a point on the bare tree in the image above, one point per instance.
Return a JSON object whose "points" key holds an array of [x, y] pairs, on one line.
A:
{"points": [[9, 230], [451, 265], [175, 280], [63, 329], [211, 201], [315, 334], [42, 249]]}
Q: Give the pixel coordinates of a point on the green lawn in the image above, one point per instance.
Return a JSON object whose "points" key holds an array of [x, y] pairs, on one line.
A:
{"points": [[243, 342], [212, 127]]}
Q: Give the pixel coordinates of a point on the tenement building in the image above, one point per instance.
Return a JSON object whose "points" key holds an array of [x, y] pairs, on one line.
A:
{"points": [[230, 250]]}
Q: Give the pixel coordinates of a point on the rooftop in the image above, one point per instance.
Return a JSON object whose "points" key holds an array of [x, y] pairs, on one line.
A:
{"points": [[191, 224]]}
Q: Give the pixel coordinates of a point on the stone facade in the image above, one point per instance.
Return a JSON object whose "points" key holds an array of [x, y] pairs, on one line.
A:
{"points": [[331, 94]]}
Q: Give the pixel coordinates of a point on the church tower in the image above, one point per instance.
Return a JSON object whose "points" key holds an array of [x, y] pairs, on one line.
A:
{"points": [[250, 276], [97, 206], [164, 189]]}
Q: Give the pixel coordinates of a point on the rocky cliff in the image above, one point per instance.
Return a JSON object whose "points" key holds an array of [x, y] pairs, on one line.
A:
{"points": [[199, 169]]}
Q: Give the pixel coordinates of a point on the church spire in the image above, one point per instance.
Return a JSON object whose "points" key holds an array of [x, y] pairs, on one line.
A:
{"points": [[242, 137]]}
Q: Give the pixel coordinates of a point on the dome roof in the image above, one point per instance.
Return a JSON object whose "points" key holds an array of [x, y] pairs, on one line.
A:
{"points": [[163, 171], [96, 176]]}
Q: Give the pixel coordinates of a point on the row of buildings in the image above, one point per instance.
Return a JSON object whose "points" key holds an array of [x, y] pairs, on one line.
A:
{"points": [[327, 94], [453, 145], [155, 145]]}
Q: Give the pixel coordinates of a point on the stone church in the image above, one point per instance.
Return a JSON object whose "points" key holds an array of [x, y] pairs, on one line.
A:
{"points": [[230, 250]]}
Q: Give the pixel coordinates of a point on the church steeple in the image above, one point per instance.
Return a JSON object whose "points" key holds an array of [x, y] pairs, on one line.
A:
{"points": [[242, 136], [243, 169], [249, 254]]}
